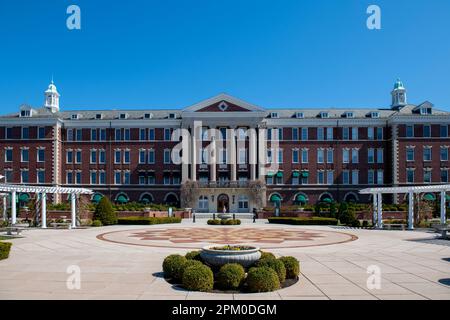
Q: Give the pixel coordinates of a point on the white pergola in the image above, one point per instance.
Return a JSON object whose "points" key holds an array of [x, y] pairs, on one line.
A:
{"points": [[377, 194], [42, 191]]}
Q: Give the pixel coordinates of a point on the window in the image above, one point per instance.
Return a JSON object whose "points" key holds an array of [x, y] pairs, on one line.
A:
{"points": [[427, 131], [444, 131], [444, 154], [355, 177], [98, 116], [379, 133], [41, 133], [346, 156], [242, 133], [78, 157], [25, 133], [25, 155], [345, 133], [25, 113], [24, 176], [151, 179], [142, 134], [69, 177], [151, 156], [102, 134], [148, 116], [102, 156], [330, 177], [371, 177], [329, 134], [8, 175], [79, 134], [355, 133], [374, 115], [123, 116], [167, 156], [304, 134], [305, 177], [93, 177], [118, 134], [167, 134], [427, 154], [295, 155], [102, 177], [74, 116], [222, 156], [94, 134], [320, 134], [349, 115], [295, 134], [410, 175], [243, 203], [142, 179], [324, 115], [409, 154], [444, 175], [409, 131], [126, 156], [9, 133], [270, 156], [40, 176], [370, 155], [320, 177], [299, 115], [117, 156], [151, 134], [380, 177], [69, 156], [295, 179], [242, 156], [380, 155], [280, 156], [70, 135], [274, 115], [166, 179], [126, 177], [355, 155], [127, 136], [427, 176], [172, 116], [118, 177], [93, 156], [8, 155], [176, 180], [78, 177], [320, 156], [305, 158], [142, 156], [40, 155], [203, 203], [370, 133]]}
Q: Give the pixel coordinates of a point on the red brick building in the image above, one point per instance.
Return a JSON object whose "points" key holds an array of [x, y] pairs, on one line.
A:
{"points": [[327, 153]]}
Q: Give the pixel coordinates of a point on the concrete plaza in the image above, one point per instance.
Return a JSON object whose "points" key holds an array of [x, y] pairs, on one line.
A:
{"points": [[413, 265]]}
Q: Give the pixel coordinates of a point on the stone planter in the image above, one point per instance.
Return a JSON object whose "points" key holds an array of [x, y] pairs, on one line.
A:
{"points": [[218, 258]]}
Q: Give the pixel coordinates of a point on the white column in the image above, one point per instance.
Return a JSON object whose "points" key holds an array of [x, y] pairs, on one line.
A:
{"points": [[73, 200], [44, 210], [233, 155], [443, 213], [411, 211], [252, 153], [13, 207], [213, 165], [5, 203], [193, 156], [380, 211], [375, 205]]}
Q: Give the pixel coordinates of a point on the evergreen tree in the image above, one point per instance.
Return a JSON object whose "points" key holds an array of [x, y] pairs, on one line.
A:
{"points": [[104, 212]]}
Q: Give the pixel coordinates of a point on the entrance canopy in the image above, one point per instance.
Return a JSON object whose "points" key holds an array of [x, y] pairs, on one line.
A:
{"points": [[411, 191]]}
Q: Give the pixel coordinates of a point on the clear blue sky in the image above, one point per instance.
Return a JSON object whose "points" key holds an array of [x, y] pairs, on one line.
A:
{"points": [[174, 53]]}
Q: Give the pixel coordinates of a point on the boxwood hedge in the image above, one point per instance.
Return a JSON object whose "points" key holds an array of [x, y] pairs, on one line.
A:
{"points": [[304, 221], [148, 221]]}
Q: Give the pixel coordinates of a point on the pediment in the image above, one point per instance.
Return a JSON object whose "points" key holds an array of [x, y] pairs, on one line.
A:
{"points": [[223, 103]]}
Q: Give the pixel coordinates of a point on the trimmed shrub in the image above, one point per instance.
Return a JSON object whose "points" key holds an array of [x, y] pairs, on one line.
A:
{"points": [[148, 221], [5, 247], [318, 221], [292, 267], [262, 279], [194, 255], [215, 222], [365, 224], [267, 255], [230, 276], [190, 263], [355, 223], [96, 223], [173, 266], [274, 264], [198, 278], [105, 212], [224, 222]]}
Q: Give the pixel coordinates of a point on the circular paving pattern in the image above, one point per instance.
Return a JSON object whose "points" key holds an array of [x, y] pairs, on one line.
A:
{"points": [[190, 238]]}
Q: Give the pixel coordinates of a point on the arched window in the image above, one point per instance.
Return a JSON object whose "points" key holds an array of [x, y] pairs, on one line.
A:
{"points": [[171, 199], [122, 198], [146, 198]]}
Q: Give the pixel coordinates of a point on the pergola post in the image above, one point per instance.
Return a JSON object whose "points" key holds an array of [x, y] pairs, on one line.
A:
{"points": [[13, 207], [44, 210], [375, 206], [5, 203], [73, 203], [380, 210], [411, 211], [443, 213]]}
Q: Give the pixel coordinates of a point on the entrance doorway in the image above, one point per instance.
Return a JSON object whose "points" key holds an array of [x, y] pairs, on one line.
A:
{"points": [[223, 201]]}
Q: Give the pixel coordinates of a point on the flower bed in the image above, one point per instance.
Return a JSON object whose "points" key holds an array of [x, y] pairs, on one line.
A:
{"points": [[304, 221], [266, 274], [148, 221], [5, 247]]}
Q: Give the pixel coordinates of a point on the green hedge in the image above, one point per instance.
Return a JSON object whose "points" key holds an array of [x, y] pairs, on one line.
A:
{"points": [[304, 221], [262, 279], [148, 221], [224, 222], [5, 247]]}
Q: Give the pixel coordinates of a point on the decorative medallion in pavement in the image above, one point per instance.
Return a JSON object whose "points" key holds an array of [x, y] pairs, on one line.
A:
{"points": [[274, 237]]}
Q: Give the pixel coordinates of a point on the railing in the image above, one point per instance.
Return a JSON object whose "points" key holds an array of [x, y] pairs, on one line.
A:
{"points": [[224, 184]]}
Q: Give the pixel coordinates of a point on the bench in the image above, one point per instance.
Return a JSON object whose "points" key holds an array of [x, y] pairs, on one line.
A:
{"points": [[395, 226], [56, 225], [10, 230], [442, 229]]}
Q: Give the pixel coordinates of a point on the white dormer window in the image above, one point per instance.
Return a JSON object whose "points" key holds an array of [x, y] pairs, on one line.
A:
{"points": [[299, 115], [349, 115], [172, 116], [75, 116], [324, 115], [374, 114], [123, 116], [148, 116], [426, 111], [25, 113], [99, 116], [274, 115]]}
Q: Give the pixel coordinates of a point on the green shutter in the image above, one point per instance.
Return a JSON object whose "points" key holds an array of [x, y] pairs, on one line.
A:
{"points": [[275, 198], [327, 200], [305, 174], [24, 197], [447, 197], [97, 197], [296, 174], [122, 199], [301, 199], [429, 197], [270, 174], [280, 174]]}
